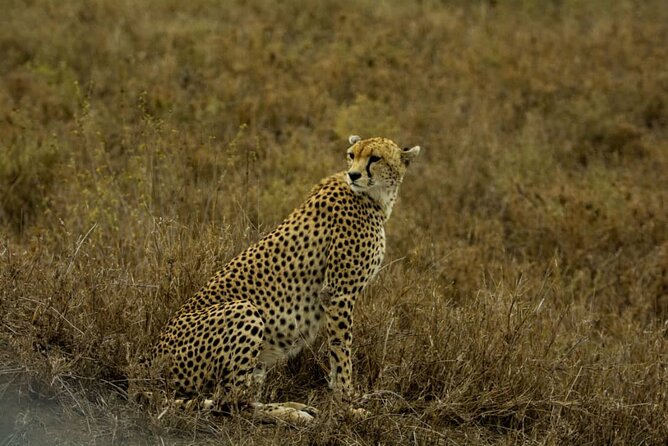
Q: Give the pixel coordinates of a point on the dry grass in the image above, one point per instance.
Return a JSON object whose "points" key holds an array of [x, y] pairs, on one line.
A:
{"points": [[525, 297]]}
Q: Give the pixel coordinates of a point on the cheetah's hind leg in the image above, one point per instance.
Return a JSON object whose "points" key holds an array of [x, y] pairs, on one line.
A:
{"points": [[221, 344], [290, 412]]}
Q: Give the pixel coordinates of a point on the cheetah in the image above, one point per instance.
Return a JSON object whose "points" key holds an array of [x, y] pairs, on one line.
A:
{"points": [[272, 299]]}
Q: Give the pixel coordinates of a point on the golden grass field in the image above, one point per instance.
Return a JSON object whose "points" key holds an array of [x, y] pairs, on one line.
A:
{"points": [[524, 298]]}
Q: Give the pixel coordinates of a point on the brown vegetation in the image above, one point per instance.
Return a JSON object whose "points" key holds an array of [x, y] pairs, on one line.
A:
{"points": [[525, 293]]}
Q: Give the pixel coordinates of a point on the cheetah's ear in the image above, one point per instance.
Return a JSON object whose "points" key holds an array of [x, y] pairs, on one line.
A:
{"points": [[408, 154], [352, 139]]}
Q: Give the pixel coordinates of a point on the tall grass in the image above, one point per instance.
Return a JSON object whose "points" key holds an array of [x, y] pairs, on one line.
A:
{"points": [[525, 293]]}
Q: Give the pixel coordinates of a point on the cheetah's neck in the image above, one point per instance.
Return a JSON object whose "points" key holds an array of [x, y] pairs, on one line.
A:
{"points": [[385, 197]]}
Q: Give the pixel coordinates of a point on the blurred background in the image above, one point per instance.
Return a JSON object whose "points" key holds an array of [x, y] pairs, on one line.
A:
{"points": [[525, 293]]}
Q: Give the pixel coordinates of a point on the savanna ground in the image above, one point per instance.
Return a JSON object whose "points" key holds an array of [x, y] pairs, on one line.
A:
{"points": [[525, 293]]}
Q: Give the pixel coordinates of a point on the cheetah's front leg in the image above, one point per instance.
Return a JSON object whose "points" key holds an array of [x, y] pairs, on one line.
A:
{"points": [[339, 311]]}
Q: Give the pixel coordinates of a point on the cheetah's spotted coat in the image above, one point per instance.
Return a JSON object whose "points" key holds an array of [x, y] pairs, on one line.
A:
{"points": [[267, 303]]}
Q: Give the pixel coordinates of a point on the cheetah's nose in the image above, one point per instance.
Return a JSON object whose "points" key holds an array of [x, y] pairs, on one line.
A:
{"points": [[354, 176]]}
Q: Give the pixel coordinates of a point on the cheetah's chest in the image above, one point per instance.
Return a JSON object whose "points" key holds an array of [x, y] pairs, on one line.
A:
{"points": [[379, 254], [291, 326]]}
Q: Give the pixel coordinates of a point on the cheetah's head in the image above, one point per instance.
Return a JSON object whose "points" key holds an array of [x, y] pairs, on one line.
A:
{"points": [[376, 165]]}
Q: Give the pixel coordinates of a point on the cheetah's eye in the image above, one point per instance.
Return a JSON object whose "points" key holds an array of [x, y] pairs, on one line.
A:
{"points": [[374, 158], [351, 155]]}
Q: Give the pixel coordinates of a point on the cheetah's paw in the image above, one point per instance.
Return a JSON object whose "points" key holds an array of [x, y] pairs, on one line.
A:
{"points": [[290, 412]]}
